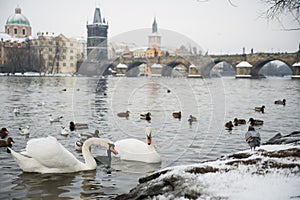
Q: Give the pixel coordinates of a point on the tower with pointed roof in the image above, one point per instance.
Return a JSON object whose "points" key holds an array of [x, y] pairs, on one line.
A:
{"points": [[97, 38], [154, 37], [17, 25]]}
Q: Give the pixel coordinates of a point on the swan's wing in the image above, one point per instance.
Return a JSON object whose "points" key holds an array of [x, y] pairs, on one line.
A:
{"points": [[131, 146], [50, 153]]}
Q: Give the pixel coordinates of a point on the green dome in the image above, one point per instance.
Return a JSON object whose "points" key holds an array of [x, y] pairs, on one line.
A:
{"points": [[17, 19]]}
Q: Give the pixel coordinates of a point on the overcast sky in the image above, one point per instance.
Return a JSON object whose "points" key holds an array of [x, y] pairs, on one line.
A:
{"points": [[216, 25]]}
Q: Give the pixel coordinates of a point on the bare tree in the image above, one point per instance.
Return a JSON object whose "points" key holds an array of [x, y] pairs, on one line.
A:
{"points": [[280, 7], [17, 59]]}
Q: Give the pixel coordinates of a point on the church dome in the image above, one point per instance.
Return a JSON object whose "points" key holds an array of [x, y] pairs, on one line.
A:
{"points": [[18, 19]]}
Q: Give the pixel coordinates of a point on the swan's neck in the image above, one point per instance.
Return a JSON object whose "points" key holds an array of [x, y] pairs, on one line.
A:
{"points": [[89, 159]]}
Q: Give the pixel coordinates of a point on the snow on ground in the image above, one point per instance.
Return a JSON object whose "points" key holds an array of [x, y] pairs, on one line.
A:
{"points": [[270, 172]]}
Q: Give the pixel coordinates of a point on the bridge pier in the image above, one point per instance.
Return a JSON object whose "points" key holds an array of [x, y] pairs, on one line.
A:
{"points": [[243, 70], [194, 72], [296, 74]]}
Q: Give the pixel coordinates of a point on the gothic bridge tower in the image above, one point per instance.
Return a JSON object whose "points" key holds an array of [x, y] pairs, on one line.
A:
{"points": [[97, 38]]}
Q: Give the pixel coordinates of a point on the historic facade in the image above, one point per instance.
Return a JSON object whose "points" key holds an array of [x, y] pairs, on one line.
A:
{"points": [[97, 38], [17, 25], [60, 54]]}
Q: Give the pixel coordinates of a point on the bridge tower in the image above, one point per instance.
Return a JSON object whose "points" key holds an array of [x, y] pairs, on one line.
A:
{"points": [[154, 37], [97, 38]]}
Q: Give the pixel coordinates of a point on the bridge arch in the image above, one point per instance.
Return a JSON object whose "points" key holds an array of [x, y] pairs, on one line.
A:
{"points": [[258, 66], [133, 68]]}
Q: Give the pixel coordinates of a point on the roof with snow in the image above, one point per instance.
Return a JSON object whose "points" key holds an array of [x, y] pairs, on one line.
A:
{"points": [[18, 19], [120, 65], [244, 64]]}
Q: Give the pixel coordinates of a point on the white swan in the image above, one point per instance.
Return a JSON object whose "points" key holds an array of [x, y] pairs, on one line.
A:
{"points": [[136, 150], [47, 155]]}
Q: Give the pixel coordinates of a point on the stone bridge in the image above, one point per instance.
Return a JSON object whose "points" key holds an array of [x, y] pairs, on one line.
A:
{"points": [[257, 61], [168, 63], [200, 66]]}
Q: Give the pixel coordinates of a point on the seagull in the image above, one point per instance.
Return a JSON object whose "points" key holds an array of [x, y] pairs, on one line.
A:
{"points": [[16, 110], [24, 131], [57, 119], [64, 131]]}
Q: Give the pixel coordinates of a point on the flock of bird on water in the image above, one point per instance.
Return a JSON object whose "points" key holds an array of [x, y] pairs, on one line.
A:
{"points": [[252, 136], [47, 155]]}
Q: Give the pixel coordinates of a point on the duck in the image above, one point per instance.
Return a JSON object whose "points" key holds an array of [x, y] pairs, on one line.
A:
{"points": [[47, 155], [57, 119], [7, 143], [132, 149], [146, 116], [24, 131], [3, 133], [177, 114], [73, 126], [279, 102], [124, 114], [252, 137], [237, 121], [256, 122], [81, 126], [260, 109], [83, 137], [192, 119], [229, 125]]}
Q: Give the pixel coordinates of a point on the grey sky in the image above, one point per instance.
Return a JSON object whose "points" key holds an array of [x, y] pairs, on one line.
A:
{"points": [[214, 25]]}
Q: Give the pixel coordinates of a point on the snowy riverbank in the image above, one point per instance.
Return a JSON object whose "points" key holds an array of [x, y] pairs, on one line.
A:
{"points": [[270, 172]]}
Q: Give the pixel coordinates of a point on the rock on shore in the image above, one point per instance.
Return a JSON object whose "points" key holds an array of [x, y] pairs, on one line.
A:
{"points": [[270, 172]]}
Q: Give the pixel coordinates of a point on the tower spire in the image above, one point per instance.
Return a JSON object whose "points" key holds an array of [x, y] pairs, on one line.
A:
{"points": [[97, 16], [154, 26]]}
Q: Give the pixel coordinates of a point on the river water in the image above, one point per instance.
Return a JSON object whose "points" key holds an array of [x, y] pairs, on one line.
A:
{"points": [[97, 101]]}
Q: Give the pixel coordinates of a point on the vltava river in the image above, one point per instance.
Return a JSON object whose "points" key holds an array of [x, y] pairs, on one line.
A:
{"points": [[97, 101]]}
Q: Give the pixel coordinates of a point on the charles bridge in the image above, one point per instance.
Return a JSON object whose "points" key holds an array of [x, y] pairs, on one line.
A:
{"points": [[200, 66]]}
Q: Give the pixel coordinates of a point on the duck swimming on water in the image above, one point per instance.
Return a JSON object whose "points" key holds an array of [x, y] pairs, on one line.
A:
{"points": [[177, 114], [256, 122], [237, 121], [124, 114], [260, 109], [229, 125], [3, 133], [7, 143], [279, 102]]}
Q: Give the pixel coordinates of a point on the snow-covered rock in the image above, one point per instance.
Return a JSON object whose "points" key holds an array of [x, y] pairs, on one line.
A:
{"points": [[270, 172]]}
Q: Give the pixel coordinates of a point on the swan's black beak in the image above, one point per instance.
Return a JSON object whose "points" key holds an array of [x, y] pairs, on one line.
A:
{"points": [[8, 151], [149, 140]]}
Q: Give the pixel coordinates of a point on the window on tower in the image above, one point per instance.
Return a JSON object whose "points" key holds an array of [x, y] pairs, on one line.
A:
{"points": [[15, 31]]}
